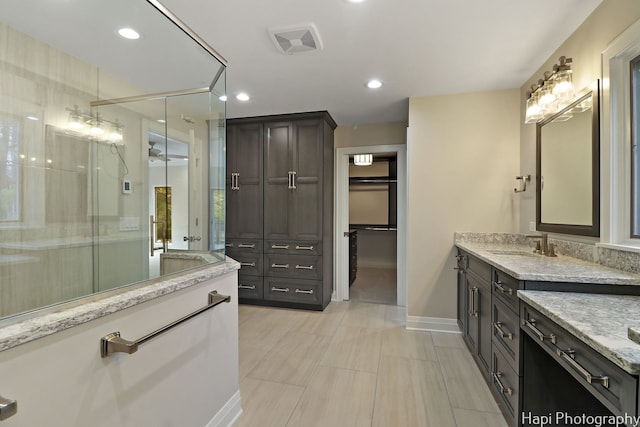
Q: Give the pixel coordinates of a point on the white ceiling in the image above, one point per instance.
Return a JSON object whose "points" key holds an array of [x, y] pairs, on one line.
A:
{"points": [[416, 47]]}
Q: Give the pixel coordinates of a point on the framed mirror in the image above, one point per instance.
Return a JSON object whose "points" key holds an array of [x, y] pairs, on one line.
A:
{"points": [[568, 168]]}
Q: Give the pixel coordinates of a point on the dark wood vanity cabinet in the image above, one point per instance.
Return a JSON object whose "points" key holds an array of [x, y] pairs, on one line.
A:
{"points": [[280, 196]]}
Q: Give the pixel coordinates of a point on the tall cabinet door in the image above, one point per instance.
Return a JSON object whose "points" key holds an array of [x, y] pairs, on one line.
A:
{"points": [[244, 181], [277, 191], [306, 212]]}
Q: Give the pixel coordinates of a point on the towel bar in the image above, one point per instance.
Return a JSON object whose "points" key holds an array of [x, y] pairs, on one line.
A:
{"points": [[113, 343]]}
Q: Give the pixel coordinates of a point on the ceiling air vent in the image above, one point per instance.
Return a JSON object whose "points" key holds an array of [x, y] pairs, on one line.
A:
{"points": [[296, 38]]}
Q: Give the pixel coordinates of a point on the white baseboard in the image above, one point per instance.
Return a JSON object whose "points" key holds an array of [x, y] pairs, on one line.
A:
{"points": [[433, 324], [228, 414]]}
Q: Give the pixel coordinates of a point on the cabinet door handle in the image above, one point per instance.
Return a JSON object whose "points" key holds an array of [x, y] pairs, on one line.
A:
{"points": [[279, 265], [473, 309], [251, 287], [304, 248], [247, 246], [531, 324], [235, 182], [274, 289], [501, 332], [304, 267], [569, 356], [293, 180], [290, 183], [248, 264], [302, 291], [498, 285], [279, 246], [496, 379]]}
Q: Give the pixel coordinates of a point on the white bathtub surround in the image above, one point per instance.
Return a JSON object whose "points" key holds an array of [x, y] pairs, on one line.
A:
{"points": [[187, 376]]}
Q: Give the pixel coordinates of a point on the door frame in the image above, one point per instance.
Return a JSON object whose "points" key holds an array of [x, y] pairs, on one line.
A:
{"points": [[341, 219]]}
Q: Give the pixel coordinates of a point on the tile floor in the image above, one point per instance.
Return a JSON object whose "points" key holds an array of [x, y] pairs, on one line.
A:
{"points": [[356, 365], [373, 284]]}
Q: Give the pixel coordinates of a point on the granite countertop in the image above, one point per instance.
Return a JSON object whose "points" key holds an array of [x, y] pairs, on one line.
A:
{"points": [[600, 321], [519, 261], [38, 324]]}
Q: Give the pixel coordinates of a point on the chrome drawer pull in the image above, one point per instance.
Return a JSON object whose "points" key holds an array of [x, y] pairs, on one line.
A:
{"points": [[496, 379], [569, 355], [498, 285], [228, 245], [473, 307], [279, 265], [247, 246], [498, 327], [250, 287], [304, 267], [279, 246], [301, 291], [274, 289], [531, 324], [248, 264], [304, 248]]}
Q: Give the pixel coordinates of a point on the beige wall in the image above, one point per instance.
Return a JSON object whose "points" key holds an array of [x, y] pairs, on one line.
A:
{"points": [[585, 46], [390, 133], [462, 156]]}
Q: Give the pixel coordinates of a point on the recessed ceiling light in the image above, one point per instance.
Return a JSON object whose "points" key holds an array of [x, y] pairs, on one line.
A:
{"points": [[32, 117], [161, 121], [355, 1], [129, 33], [223, 98], [242, 97], [374, 84]]}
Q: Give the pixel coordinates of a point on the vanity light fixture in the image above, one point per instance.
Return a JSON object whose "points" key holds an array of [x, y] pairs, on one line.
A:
{"points": [[129, 33], [551, 94], [94, 125], [363, 159], [374, 84]]}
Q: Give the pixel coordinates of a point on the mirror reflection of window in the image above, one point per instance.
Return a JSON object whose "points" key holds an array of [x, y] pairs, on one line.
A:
{"points": [[10, 175], [635, 154]]}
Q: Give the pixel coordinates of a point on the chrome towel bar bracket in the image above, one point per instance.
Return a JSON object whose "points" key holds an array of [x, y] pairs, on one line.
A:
{"points": [[114, 343]]}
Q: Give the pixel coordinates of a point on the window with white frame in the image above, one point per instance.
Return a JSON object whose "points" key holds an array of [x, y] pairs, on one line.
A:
{"points": [[10, 171]]}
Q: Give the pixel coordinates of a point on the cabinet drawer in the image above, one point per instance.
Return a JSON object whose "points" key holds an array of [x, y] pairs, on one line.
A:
{"points": [[250, 263], [615, 388], [506, 332], [250, 287], [292, 247], [505, 385], [304, 267], [479, 267], [243, 246], [506, 288], [293, 290]]}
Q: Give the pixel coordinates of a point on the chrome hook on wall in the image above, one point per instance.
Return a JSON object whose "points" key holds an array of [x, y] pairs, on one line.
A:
{"points": [[524, 179]]}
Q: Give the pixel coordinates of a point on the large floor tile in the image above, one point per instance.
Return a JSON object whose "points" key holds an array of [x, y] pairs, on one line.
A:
{"points": [[465, 384], [448, 340], [266, 328], [292, 360], [320, 323], [336, 398], [467, 418], [354, 348], [265, 403], [375, 285], [249, 356], [411, 344], [411, 392], [365, 315]]}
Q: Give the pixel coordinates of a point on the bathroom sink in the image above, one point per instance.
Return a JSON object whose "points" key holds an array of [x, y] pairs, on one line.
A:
{"points": [[512, 253]]}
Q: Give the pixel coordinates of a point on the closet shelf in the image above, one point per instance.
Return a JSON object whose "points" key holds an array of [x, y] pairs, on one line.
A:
{"points": [[372, 180]]}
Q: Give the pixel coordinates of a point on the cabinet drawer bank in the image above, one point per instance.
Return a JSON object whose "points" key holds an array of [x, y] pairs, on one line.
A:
{"points": [[496, 321]]}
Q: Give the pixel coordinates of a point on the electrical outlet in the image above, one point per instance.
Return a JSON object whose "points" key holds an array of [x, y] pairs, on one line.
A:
{"points": [[532, 226]]}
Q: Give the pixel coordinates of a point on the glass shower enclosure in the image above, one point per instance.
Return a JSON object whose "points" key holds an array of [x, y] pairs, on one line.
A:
{"points": [[111, 149]]}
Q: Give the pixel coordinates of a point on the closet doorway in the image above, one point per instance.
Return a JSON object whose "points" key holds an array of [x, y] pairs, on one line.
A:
{"points": [[370, 225]]}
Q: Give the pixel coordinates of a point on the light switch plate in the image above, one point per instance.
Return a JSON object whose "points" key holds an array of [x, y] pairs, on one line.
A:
{"points": [[532, 226]]}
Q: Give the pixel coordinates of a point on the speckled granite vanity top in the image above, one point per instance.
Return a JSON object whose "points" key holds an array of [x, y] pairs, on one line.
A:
{"points": [[601, 321], [518, 260]]}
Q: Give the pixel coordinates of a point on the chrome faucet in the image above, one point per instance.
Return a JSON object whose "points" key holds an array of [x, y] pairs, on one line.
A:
{"points": [[543, 246]]}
